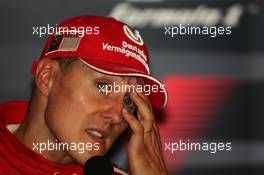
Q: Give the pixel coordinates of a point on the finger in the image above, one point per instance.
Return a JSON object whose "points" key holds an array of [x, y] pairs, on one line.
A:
{"points": [[136, 127], [157, 133], [156, 136], [145, 113], [139, 94], [152, 137], [140, 82]]}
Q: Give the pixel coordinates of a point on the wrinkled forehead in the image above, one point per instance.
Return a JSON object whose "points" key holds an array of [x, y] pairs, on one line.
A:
{"points": [[115, 78]]}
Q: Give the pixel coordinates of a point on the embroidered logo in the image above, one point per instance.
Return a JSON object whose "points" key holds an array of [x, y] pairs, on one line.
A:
{"points": [[134, 36]]}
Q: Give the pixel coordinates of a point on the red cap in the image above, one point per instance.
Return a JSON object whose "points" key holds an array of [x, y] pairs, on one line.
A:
{"points": [[108, 46]]}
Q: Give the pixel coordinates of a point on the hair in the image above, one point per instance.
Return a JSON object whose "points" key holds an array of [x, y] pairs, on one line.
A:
{"points": [[65, 64]]}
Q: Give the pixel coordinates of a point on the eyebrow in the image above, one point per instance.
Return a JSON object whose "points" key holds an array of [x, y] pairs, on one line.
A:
{"points": [[110, 76], [140, 81]]}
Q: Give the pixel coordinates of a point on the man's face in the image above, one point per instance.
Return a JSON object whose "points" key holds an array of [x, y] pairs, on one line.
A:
{"points": [[78, 111]]}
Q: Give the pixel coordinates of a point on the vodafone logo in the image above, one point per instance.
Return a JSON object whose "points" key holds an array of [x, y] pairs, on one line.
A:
{"points": [[134, 36]]}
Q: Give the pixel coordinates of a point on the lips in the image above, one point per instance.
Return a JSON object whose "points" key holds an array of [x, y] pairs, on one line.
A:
{"points": [[96, 134]]}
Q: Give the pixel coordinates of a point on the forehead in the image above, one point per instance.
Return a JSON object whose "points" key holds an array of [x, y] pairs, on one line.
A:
{"points": [[118, 78]]}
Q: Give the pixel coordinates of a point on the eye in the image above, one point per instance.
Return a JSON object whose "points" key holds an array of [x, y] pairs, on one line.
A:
{"points": [[130, 104], [102, 86]]}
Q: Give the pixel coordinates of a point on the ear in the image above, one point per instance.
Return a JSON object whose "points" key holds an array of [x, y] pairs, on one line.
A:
{"points": [[45, 75]]}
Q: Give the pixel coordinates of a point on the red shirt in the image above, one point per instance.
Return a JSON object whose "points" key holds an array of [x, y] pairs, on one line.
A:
{"points": [[17, 159]]}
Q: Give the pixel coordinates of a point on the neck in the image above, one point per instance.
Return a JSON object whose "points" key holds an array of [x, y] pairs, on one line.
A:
{"points": [[34, 131]]}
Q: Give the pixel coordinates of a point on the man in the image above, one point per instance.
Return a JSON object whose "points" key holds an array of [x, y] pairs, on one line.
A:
{"points": [[75, 101]]}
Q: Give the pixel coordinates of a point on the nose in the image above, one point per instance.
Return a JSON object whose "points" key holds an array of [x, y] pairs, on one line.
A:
{"points": [[112, 111]]}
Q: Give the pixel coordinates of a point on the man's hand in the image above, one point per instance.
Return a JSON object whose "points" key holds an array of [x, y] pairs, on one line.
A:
{"points": [[144, 147]]}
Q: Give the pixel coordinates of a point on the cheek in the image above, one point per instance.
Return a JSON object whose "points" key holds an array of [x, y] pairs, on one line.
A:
{"points": [[66, 111]]}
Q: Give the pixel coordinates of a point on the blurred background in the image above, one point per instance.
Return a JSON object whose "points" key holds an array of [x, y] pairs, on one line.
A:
{"points": [[215, 84]]}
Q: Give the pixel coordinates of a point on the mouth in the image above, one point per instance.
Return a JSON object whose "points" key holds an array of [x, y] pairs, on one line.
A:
{"points": [[96, 135]]}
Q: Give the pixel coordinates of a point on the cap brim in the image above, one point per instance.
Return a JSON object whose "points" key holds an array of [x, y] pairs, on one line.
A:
{"points": [[158, 99]]}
